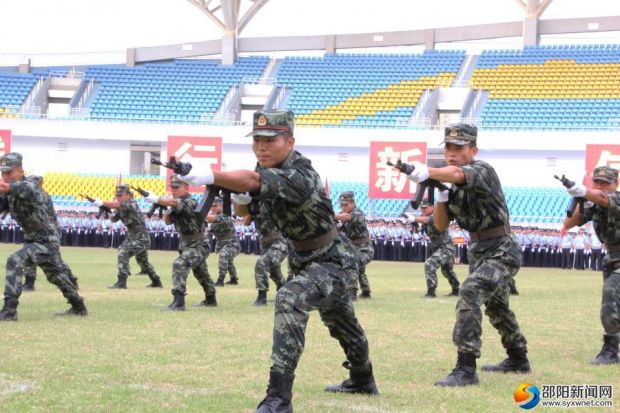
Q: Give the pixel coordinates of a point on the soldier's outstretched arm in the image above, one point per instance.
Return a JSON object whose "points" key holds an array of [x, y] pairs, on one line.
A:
{"points": [[242, 180], [442, 220]]}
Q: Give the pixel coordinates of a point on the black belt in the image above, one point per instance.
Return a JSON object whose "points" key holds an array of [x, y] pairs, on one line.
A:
{"points": [[136, 228], [270, 238], [490, 233], [359, 241], [191, 237], [613, 248], [316, 243]]}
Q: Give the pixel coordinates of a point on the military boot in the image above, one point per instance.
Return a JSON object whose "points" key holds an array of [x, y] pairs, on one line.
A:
{"points": [[464, 374], [155, 282], [9, 310], [178, 304], [361, 380], [121, 283], [609, 352], [454, 292], [233, 281], [279, 394], [77, 307], [220, 281], [29, 283], [365, 294], [209, 301], [430, 293], [261, 300], [516, 362]]}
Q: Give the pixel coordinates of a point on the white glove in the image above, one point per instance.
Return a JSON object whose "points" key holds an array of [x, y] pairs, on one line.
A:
{"points": [[152, 198], [168, 211], [443, 196], [420, 173], [97, 202], [241, 199], [200, 177], [577, 191]]}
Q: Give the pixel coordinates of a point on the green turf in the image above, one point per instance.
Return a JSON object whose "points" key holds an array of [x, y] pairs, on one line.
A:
{"points": [[129, 356]]}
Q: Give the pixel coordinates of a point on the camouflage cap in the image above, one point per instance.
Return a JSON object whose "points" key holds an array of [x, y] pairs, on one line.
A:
{"points": [[177, 181], [122, 189], [347, 196], [460, 134], [605, 173], [9, 161], [272, 123]]}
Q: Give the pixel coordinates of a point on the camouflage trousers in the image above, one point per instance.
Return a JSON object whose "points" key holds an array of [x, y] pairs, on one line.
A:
{"points": [[228, 251], [268, 264], [365, 254], [610, 306], [136, 244], [192, 256], [322, 284], [47, 257], [441, 258], [492, 264]]}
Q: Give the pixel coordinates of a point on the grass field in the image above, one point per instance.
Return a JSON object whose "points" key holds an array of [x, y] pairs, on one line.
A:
{"points": [[129, 356]]}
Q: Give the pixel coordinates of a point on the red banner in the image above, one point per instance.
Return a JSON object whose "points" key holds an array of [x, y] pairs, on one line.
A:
{"points": [[5, 141], [386, 182], [199, 151], [600, 155]]}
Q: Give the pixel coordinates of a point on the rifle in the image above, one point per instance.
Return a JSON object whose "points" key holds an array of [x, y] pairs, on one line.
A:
{"points": [[154, 207], [574, 201], [211, 191], [429, 184], [103, 210]]}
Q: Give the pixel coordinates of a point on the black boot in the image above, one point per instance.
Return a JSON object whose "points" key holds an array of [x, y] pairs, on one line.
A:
{"points": [[219, 282], [454, 293], [121, 283], [178, 304], [464, 374], [77, 307], [279, 394], [261, 300], [29, 283], [365, 294], [233, 281], [209, 301], [430, 293], [609, 352], [516, 362], [361, 380], [9, 310], [155, 282]]}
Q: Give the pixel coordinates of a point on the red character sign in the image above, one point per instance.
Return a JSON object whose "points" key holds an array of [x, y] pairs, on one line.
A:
{"points": [[386, 181], [5, 141], [601, 155], [199, 151]]}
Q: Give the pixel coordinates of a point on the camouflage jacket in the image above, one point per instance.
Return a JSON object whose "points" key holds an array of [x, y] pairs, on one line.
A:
{"points": [[185, 220], [356, 228], [295, 199], [266, 227], [479, 203], [438, 238], [606, 223], [30, 208], [130, 214], [223, 228]]}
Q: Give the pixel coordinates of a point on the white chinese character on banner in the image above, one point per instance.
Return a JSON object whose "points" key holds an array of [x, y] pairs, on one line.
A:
{"points": [[389, 178], [182, 154]]}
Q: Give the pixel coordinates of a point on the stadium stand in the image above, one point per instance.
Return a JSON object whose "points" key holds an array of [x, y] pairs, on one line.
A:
{"points": [[14, 89], [550, 86], [364, 90]]}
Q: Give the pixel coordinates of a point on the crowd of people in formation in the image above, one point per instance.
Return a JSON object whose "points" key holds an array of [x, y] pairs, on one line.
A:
{"points": [[285, 208]]}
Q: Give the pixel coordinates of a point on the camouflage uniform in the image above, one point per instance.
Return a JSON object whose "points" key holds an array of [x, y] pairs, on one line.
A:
{"points": [[273, 251], [357, 233], [227, 246], [27, 205], [137, 242], [442, 256], [193, 248], [607, 227], [479, 205]]}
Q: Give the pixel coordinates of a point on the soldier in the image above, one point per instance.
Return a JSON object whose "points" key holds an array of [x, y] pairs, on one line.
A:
{"points": [[605, 215], [30, 273], [227, 243], [325, 266], [354, 227], [477, 203], [442, 253], [193, 246], [27, 206], [138, 240], [273, 246]]}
